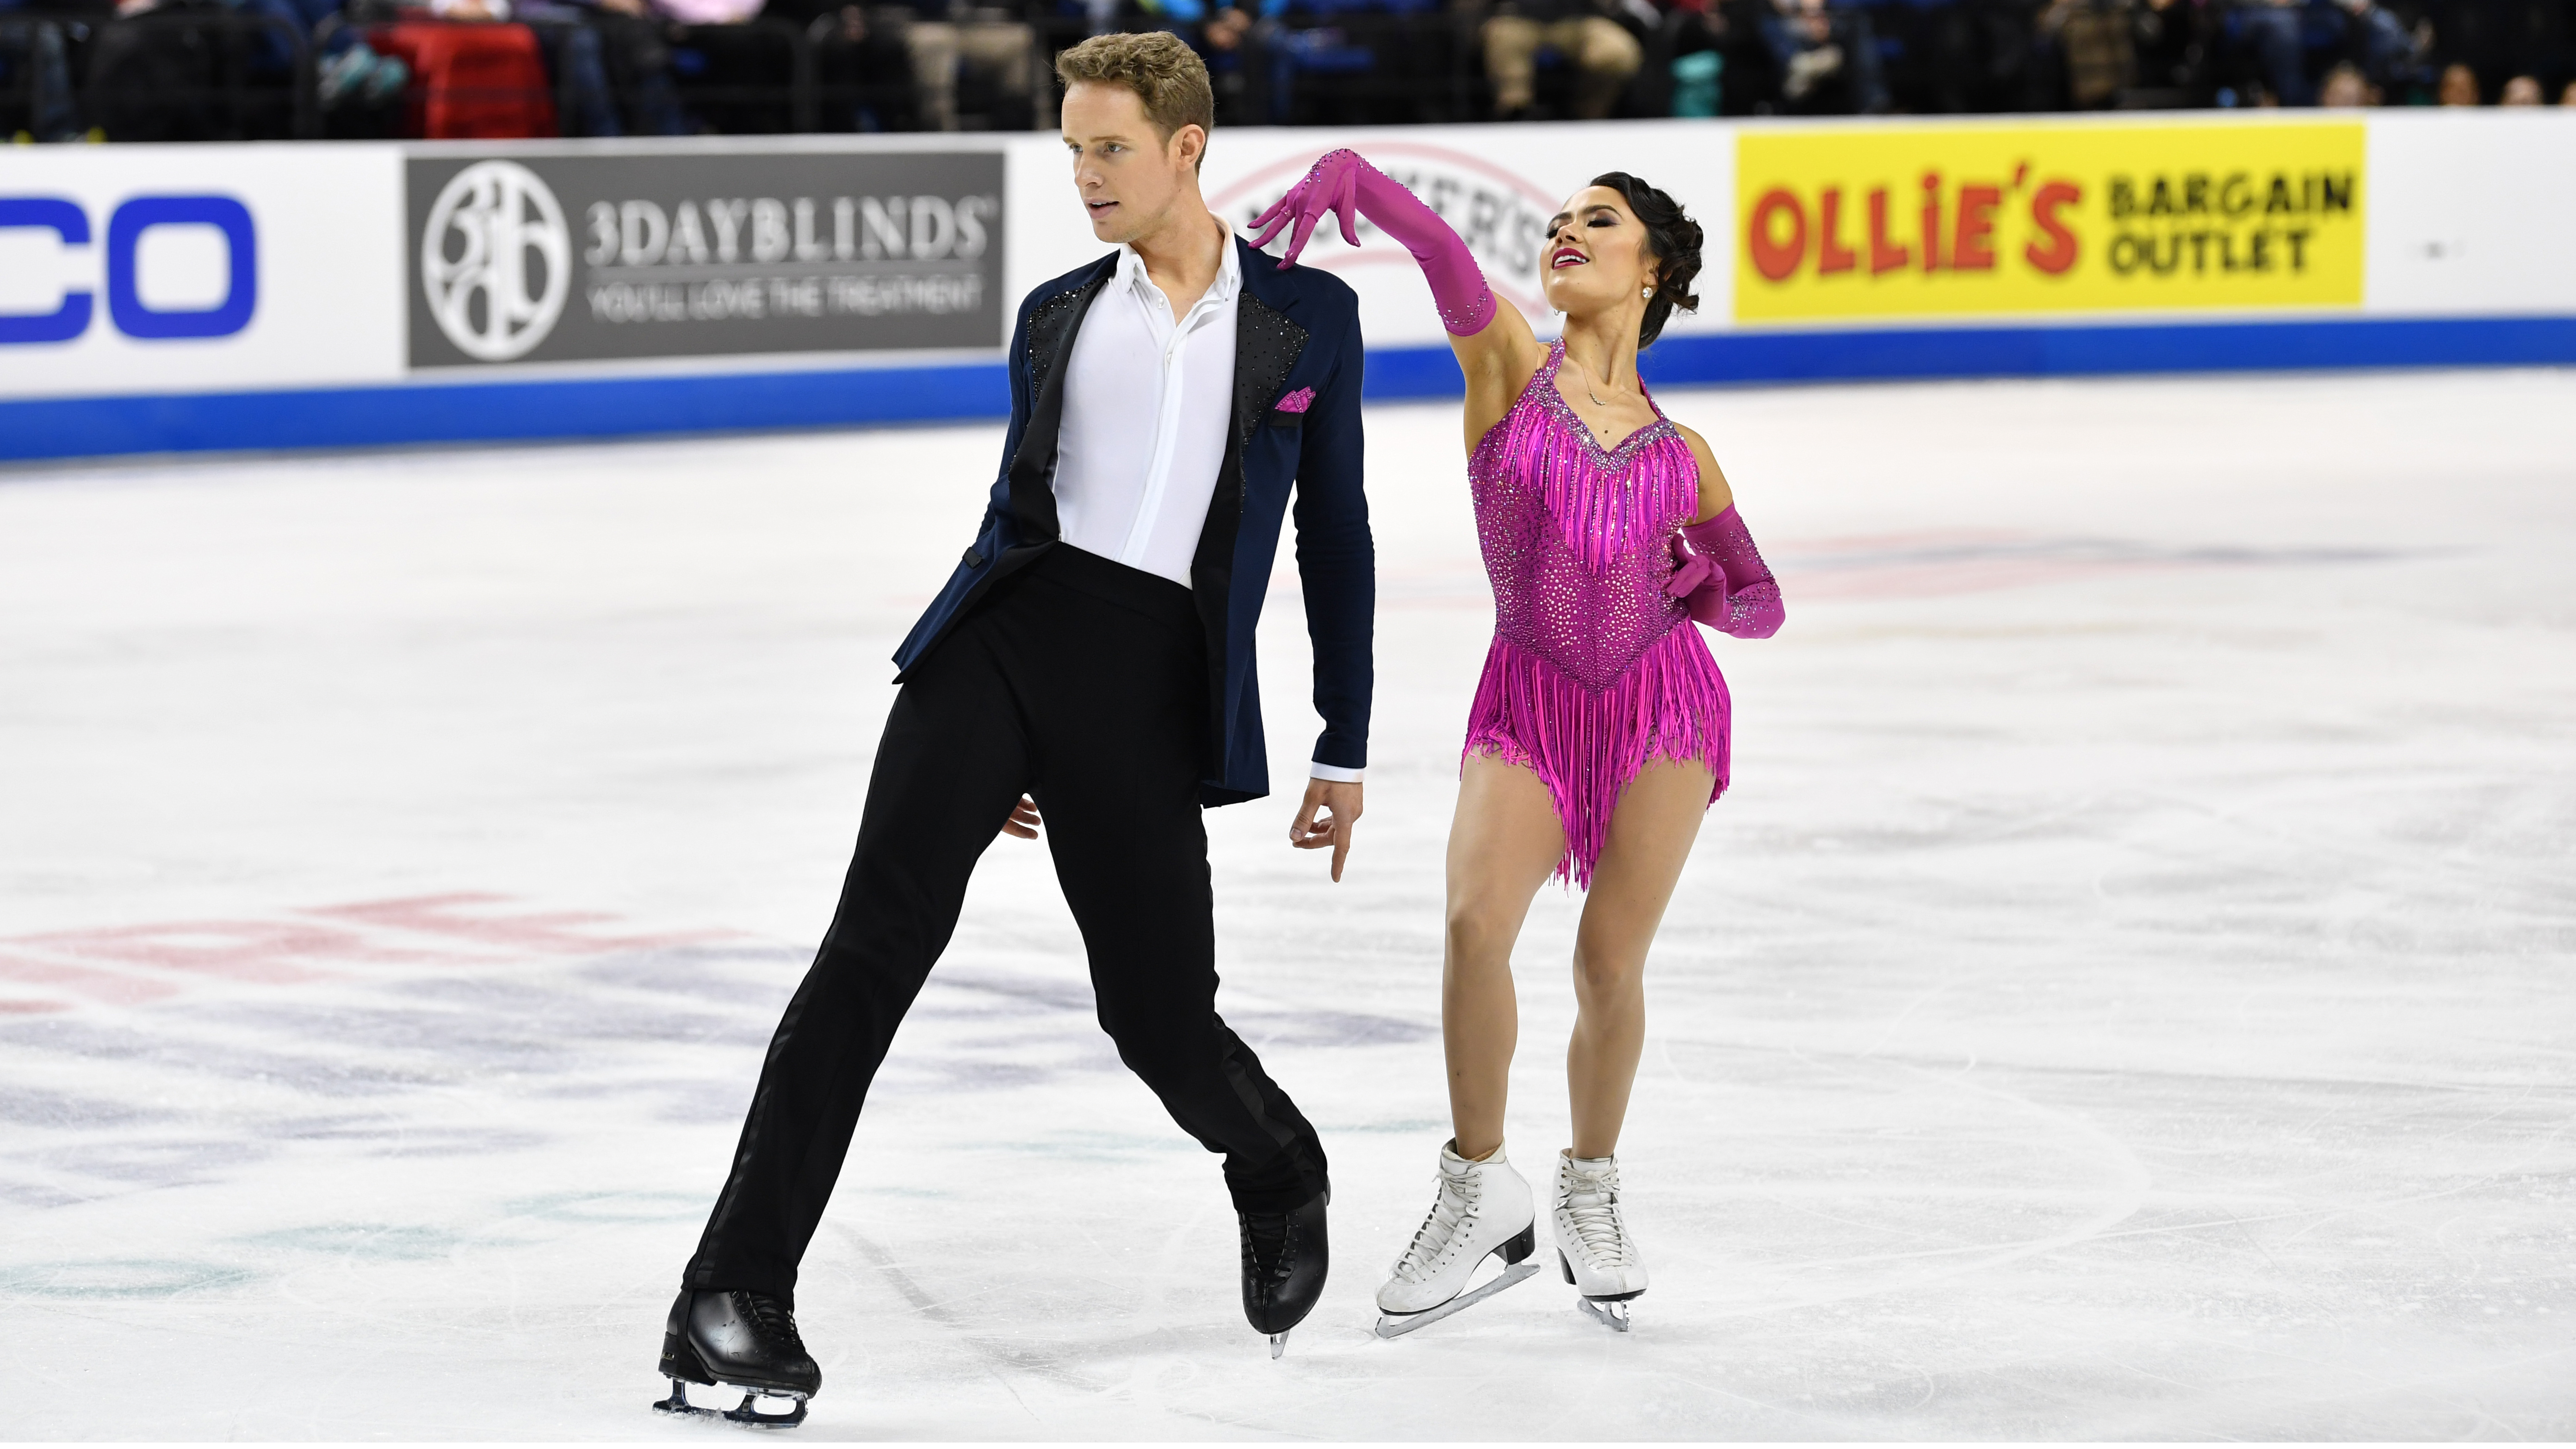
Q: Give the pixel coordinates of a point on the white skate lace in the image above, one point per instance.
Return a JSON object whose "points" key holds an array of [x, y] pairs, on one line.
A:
{"points": [[1449, 1211], [1591, 1208]]}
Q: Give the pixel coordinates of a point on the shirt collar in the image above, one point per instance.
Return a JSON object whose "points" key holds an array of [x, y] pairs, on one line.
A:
{"points": [[1229, 270]]}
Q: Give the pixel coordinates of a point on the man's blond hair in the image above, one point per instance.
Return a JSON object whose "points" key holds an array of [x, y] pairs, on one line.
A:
{"points": [[1158, 66]]}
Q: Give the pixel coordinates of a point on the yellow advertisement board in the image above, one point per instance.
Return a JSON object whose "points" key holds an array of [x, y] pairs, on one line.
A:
{"points": [[1945, 221]]}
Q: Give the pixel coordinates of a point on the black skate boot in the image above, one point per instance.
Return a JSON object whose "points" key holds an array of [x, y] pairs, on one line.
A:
{"points": [[741, 1338], [1285, 1257]]}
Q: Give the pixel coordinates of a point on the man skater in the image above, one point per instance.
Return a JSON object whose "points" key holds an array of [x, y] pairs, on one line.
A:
{"points": [[1091, 661]]}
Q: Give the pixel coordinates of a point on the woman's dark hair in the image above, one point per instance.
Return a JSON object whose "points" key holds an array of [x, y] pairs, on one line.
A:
{"points": [[1673, 239]]}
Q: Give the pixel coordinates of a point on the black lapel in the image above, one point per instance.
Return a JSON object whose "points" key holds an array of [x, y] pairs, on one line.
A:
{"points": [[1266, 346], [1052, 326]]}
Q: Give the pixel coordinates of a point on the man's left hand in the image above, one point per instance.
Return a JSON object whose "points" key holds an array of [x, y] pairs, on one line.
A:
{"points": [[1332, 807]]}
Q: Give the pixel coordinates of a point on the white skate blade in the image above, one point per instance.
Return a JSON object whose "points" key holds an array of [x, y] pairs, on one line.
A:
{"points": [[1278, 1344], [1609, 1313], [1391, 1325]]}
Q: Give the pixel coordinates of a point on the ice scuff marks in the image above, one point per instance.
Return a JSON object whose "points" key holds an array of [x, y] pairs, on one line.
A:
{"points": [[182, 1053], [1935, 562], [162, 1055]]}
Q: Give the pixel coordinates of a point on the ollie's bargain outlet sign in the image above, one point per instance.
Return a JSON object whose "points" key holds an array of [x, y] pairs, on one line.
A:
{"points": [[1944, 222]]}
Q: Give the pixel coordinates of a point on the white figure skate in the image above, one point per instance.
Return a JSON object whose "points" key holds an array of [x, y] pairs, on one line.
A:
{"points": [[1484, 1210], [1592, 1242]]}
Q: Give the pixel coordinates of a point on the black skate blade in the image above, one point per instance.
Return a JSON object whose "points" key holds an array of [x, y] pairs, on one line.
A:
{"points": [[1611, 1313], [1395, 1325], [679, 1403], [746, 1412]]}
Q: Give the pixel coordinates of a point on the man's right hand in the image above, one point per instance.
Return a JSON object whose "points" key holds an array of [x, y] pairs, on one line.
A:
{"points": [[1024, 820]]}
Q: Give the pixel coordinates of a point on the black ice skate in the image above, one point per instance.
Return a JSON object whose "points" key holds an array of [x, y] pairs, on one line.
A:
{"points": [[1285, 1257], [742, 1339]]}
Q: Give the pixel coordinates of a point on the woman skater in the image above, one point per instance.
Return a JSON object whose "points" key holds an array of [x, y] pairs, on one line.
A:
{"points": [[1598, 737]]}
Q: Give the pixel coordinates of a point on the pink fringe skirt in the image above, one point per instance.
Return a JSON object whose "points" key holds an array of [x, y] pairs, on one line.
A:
{"points": [[1587, 744]]}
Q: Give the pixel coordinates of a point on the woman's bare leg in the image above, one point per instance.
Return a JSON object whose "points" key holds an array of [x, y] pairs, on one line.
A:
{"points": [[1503, 844], [1650, 837]]}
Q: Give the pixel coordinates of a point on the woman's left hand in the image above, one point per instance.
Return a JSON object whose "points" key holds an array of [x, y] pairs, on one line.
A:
{"points": [[1331, 188]]}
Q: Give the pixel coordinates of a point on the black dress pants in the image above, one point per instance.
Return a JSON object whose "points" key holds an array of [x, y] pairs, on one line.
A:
{"points": [[1082, 683]]}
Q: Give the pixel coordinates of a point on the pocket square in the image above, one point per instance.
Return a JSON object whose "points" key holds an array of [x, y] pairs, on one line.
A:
{"points": [[1298, 401]]}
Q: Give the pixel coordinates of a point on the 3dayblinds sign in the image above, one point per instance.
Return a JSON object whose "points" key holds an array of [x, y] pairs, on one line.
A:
{"points": [[538, 258]]}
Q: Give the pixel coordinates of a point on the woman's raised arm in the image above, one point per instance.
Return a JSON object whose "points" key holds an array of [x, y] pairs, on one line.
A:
{"points": [[1495, 347]]}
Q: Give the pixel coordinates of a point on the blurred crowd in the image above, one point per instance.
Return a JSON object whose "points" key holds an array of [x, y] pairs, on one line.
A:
{"points": [[241, 69]]}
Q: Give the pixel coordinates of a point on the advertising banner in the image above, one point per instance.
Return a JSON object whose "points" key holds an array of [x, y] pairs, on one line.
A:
{"points": [[152, 269], [354, 294], [1928, 221], [527, 257]]}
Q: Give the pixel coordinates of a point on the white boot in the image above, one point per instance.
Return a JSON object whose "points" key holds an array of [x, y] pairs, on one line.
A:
{"points": [[1484, 1209], [1592, 1242]]}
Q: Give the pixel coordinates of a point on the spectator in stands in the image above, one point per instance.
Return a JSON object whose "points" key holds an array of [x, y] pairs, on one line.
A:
{"points": [[2095, 41], [1827, 57], [203, 70], [2392, 59], [2459, 86], [2171, 38], [1372, 61], [944, 36], [1603, 53], [1695, 34], [2346, 89], [615, 67], [2497, 40], [35, 62], [2271, 35], [1223, 43], [2521, 90], [863, 76]]}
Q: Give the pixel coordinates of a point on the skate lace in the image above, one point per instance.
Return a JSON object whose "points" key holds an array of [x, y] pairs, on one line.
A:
{"points": [[770, 1315], [1266, 1236], [1592, 1211], [1449, 1211]]}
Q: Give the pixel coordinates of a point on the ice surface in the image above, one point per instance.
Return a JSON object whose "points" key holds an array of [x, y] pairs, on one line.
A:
{"points": [[2125, 995]]}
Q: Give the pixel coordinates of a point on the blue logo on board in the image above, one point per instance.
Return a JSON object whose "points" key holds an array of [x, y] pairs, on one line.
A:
{"points": [[126, 228]]}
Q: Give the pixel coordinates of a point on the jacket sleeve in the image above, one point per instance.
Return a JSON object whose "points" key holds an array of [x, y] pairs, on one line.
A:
{"points": [[997, 510], [994, 532], [1336, 559]]}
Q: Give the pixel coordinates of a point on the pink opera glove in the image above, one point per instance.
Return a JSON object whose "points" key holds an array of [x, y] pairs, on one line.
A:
{"points": [[1722, 580], [1344, 186]]}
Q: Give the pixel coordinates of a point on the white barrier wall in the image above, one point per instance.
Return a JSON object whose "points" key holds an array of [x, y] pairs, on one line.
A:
{"points": [[332, 293]]}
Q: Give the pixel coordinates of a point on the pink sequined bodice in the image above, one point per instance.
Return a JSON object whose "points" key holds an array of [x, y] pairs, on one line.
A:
{"points": [[1578, 540]]}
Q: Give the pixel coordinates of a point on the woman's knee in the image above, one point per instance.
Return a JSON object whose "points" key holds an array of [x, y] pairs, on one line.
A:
{"points": [[1480, 933], [1606, 978]]}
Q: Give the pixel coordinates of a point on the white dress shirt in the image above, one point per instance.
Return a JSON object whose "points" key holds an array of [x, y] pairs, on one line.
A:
{"points": [[1146, 407], [1145, 413]]}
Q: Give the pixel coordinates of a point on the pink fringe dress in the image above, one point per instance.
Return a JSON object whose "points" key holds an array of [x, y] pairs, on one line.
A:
{"points": [[1594, 669]]}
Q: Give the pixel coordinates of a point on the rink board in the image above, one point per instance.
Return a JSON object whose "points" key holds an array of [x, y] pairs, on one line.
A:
{"points": [[273, 296]]}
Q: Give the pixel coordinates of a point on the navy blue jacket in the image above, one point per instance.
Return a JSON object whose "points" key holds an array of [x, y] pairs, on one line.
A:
{"points": [[1294, 330]]}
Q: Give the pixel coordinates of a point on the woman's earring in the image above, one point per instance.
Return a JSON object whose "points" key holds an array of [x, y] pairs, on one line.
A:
{"points": [[1646, 293]]}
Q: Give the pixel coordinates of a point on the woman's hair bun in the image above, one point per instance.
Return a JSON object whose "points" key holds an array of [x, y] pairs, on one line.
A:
{"points": [[1674, 240]]}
